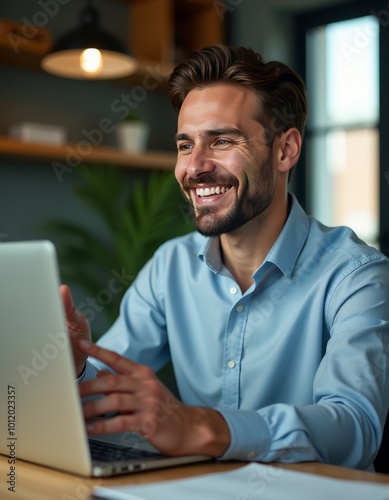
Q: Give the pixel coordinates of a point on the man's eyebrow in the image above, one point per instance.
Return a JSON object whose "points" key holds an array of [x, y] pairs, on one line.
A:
{"points": [[211, 133], [181, 137]]}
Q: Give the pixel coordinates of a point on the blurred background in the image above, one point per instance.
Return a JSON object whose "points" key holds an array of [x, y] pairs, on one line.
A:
{"points": [[66, 175]]}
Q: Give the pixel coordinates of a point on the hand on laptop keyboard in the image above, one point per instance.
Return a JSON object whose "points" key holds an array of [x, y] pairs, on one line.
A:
{"points": [[146, 406]]}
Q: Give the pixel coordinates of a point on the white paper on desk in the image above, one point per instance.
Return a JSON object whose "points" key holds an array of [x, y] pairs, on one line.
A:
{"points": [[251, 482]]}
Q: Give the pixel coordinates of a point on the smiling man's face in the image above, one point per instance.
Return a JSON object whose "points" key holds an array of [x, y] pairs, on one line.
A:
{"points": [[224, 165]]}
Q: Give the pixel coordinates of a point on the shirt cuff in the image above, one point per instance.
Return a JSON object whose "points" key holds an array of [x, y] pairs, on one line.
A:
{"points": [[250, 435], [81, 377], [89, 372]]}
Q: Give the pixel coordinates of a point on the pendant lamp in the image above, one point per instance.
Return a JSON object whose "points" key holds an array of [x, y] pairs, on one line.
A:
{"points": [[88, 52]]}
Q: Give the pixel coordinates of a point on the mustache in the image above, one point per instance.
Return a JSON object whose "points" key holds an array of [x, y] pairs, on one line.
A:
{"points": [[190, 182]]}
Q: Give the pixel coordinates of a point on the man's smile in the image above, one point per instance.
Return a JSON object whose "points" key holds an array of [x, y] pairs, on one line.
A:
{"points": [[209, 191], [209, 194]]}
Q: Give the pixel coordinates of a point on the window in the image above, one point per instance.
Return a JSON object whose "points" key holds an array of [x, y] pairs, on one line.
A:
{"points": [[344, 179], [342, 83]]}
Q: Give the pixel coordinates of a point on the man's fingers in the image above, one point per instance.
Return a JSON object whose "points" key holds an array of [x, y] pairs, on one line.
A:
{"points": [[118, 363], [108, 384], [111, 425], [113, 403]]}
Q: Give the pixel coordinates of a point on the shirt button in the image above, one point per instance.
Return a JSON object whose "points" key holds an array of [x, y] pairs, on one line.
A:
{"points": [[231, 364], [240, 309], [233, 290]]}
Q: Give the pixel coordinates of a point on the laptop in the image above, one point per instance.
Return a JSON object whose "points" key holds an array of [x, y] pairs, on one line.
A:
{"points": [[41, 418]]}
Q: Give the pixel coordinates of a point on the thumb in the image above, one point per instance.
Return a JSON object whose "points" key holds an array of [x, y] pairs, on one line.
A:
{"points": [[76, 321], [67, 300]]}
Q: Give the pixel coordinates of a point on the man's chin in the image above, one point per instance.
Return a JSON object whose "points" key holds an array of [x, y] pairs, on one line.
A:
{"points": [[204, 227], [209, 228]]}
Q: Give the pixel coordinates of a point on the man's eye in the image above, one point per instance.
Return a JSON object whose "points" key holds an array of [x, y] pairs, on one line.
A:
{"points": [[185, 146], [222, 142]]}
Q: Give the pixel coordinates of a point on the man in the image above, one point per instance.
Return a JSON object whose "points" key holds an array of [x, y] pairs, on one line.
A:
{"points": [[277, 326]]}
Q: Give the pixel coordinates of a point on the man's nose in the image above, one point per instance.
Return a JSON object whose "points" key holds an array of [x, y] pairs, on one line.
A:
{"points": [[199, 162]]}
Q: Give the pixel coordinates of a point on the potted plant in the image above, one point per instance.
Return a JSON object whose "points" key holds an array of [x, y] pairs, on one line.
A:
{"points": [[132, 133], [136, 222]]}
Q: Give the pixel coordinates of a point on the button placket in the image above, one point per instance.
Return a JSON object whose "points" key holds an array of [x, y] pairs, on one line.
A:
{"points": [[235, 332]]}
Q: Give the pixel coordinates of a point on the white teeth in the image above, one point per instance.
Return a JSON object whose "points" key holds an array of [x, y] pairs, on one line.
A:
{"points": [[210, 191]]}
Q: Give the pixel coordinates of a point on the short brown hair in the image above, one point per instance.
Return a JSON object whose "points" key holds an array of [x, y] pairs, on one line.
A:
{"points": [[281, 91]]}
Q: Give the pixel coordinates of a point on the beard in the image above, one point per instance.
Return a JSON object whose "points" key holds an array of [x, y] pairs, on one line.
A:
{"points": [[253, 200]]}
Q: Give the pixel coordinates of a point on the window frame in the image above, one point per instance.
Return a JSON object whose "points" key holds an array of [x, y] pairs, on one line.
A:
{"points": [[307, 21]]}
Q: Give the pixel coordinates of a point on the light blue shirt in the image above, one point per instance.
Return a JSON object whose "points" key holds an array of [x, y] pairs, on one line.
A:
{"points": [[297, 365]]}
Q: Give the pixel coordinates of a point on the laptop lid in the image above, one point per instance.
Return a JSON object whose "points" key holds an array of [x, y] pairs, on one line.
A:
{"points": [[44, 423]]}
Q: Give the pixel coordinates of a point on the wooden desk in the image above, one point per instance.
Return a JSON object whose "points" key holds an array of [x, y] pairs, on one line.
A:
{"points": [[40, 483]]}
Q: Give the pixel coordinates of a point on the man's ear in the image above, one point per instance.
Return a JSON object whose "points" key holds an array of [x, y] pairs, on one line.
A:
{"points": [[289, 149]]}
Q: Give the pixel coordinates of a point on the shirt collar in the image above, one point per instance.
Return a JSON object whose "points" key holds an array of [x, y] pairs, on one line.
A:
{"points": [[285, 251], [210, 254], [287, 247]]}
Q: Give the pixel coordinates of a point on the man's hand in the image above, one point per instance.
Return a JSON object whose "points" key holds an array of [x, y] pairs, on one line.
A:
{"points": [[146, 406], [78, 327]]}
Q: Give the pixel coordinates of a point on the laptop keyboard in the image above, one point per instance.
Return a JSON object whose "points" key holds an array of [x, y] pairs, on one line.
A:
{"points": [[109, 452]]}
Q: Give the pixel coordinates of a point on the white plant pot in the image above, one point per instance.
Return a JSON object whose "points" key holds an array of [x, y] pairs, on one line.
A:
{"points": [[132, 136]]}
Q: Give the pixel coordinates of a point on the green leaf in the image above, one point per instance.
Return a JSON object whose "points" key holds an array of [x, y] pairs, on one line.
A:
{"points": [[137, 219]]}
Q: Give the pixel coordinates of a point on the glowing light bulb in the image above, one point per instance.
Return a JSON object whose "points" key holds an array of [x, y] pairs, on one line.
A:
{"points": [[91, 61]]}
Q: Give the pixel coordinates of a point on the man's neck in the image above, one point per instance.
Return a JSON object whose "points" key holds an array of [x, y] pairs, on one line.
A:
{"points": [[244, 250]]}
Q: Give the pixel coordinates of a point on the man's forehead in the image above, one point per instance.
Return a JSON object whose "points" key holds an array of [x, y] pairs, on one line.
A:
{"points": [[218, 106], [232, 92]]}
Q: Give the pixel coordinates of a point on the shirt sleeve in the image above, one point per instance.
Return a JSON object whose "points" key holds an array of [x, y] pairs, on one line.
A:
{"points": [[344, 423], [139, 333]]}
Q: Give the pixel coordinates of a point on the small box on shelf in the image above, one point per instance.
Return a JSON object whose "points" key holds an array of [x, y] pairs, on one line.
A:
{"points": [[39, 133]]}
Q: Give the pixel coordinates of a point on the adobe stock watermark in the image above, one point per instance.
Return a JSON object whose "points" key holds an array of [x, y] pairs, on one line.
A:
{"points": [[83, 489], [160, 414], [224, 6], [187, 212], [56, 342], [363, 35], [279, 295], [264, 476], [362, 38], [117, 284], [373, 370], [281, 120], [40, 19], [122, 106], [134, 437], [259, 481], [41, 357]]}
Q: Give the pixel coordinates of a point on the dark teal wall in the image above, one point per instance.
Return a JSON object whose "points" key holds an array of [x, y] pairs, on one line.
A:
{"points": [[30, 191]]}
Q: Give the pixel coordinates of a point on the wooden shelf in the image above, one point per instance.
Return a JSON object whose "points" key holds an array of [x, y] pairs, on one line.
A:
{"points": [[153, 160], [161, 34]]}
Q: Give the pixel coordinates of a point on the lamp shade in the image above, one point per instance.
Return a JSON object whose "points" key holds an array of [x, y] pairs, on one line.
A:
{"points": [[88, 53]]}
